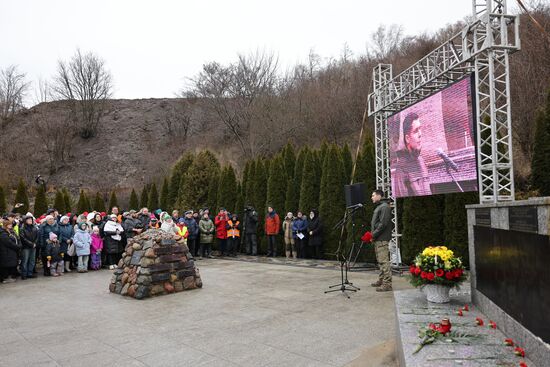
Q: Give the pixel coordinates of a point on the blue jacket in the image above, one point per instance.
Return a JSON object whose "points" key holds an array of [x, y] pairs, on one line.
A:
{"points": [[192, 227], [66, 233], [299, 226], [44, 233], [82, 241]]}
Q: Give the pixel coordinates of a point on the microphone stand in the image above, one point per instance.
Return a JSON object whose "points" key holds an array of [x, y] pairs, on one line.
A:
{"points": [[447, 168]]}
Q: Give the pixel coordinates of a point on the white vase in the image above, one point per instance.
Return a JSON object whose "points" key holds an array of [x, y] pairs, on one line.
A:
{"points": [[437, 293]]}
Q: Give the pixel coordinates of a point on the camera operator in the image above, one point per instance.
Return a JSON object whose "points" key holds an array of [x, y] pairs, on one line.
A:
{"points": [[250, 230]]}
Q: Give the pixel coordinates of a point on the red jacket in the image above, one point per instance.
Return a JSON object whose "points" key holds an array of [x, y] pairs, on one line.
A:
{"points": [[272, 224], [221, 226]]}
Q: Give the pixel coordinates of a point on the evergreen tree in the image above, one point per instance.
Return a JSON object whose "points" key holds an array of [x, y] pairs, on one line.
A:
{"points": [[88, 203], [228, 189], [309, 190], [82, 205], [456, 222], [249, 187], [99, 204], [259, 195], [276, 185], [422, 225], [212, 195], [332, 202], [59, 202], [289, 157], [40, 202], [348, 162], [164, 196], [3, 205], [540, 164], [239, 204], [21, 197], [144, 198], [244, 181], [322, 152], [178, 172], [197, 181], [292, 198], [113, 201], [153, 202], [134, 203], [68, 201]]}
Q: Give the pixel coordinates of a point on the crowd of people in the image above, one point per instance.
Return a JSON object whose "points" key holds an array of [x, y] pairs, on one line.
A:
{"points": [[60, 244]]}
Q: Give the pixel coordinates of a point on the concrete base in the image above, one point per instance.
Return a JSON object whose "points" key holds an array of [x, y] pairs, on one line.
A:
{"points": [[413, 312]]}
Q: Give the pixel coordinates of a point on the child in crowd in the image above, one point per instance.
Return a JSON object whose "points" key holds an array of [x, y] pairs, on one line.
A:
{"points": [[82, 241], [96, 248], [54, 255]]}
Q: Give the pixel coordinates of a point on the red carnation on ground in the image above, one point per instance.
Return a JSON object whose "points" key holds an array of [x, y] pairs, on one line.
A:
{"points": [[459, 313], [423, 275], [492, 324], [449, 275], [519, 352], [479, 321], [466, 308], [430, 276], [509, 342], [417, 271], [439, 272], [523, 364]]}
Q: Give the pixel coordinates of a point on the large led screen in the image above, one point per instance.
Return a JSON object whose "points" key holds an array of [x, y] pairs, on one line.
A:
{"points": [[432, 144]]}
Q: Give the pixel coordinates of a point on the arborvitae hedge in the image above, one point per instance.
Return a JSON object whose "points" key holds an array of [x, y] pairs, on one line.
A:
{"points": [[99, 204], [332, 202], [82, 205], [248, 185], [59, 202], [144, 197], [292, 202], [348, 162], [22, 197], [164, 196], [196, 182], [40, 202], [259, 194], [178, 172], [540, 164], [456, 222], [153, 202], [134, 203], [309, 190], [239, 204], [113, 201], [422, 225], [68, 200], [276, 185], [227, 192]]}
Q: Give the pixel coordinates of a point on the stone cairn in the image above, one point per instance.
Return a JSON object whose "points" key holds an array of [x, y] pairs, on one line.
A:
{"points": [[155, 263]]}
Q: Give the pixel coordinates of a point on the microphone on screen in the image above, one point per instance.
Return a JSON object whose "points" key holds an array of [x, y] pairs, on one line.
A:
{"points": [[448, 161]]}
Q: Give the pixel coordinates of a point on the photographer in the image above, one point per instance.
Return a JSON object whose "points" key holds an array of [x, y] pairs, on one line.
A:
{"points": [[250, 230]]}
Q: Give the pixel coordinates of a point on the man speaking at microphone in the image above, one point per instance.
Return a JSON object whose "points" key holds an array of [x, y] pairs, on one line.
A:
{"points": [[411, 174], [381, 228]]}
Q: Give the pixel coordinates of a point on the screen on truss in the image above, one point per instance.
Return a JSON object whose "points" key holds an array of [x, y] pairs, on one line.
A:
{"points": [[432, 144]]}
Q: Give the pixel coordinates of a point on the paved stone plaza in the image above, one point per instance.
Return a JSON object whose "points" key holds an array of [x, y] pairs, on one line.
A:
{"points": [[247, 314]]}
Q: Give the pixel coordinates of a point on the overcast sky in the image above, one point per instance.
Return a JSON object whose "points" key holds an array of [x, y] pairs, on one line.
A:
{"points": [[151, 47]]}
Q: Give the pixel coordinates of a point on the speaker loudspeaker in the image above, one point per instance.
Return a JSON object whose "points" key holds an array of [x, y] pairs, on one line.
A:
{"points": [[355, 194]]}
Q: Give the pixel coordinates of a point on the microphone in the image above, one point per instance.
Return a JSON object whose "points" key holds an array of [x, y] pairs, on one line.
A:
{"points": [[448, 161], [355, 206]]}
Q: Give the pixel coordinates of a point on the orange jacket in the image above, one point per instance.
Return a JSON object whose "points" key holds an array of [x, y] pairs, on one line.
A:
{"points": [[272, 224]]}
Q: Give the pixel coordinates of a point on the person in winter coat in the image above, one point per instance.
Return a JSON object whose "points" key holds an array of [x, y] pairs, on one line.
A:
{"points": [[9, 247], [290, 248], [66, 233], [48, 226], [251, 230], [192, 231], [54, 256], [197, 219], [183, 232], [112, 241], [207, 228], [145, 217], [221, 230], [168, 224], [233, 234], [299, 232], [82, 242], [315, 229], [131, 224], [272, 226], [29, 241], [96, 247]]}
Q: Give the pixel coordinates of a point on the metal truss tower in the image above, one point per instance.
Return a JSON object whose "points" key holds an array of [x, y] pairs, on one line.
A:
{"points": [[482, 47]]}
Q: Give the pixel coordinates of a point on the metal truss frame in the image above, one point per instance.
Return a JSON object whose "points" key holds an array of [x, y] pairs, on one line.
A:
{"points": [[482, 47]]}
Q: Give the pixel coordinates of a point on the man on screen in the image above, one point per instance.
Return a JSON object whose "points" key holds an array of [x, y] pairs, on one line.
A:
{"points": [[411, 175]]}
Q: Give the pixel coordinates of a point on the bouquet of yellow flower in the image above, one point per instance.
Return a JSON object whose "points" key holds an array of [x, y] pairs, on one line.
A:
{"points": [[437, 265]]}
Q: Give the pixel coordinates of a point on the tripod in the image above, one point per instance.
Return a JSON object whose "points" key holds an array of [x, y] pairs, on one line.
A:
{"points": [[345, 285]]}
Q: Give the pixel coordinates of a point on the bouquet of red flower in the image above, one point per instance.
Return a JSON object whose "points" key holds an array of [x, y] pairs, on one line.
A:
{"points": [[437, 265]]}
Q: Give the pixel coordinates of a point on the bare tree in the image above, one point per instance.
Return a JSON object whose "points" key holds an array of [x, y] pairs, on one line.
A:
{"points": [[55, 132], [86, 83], [176, 121], [385, 41], [12, 91], [42, 92], [231, 93]]}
